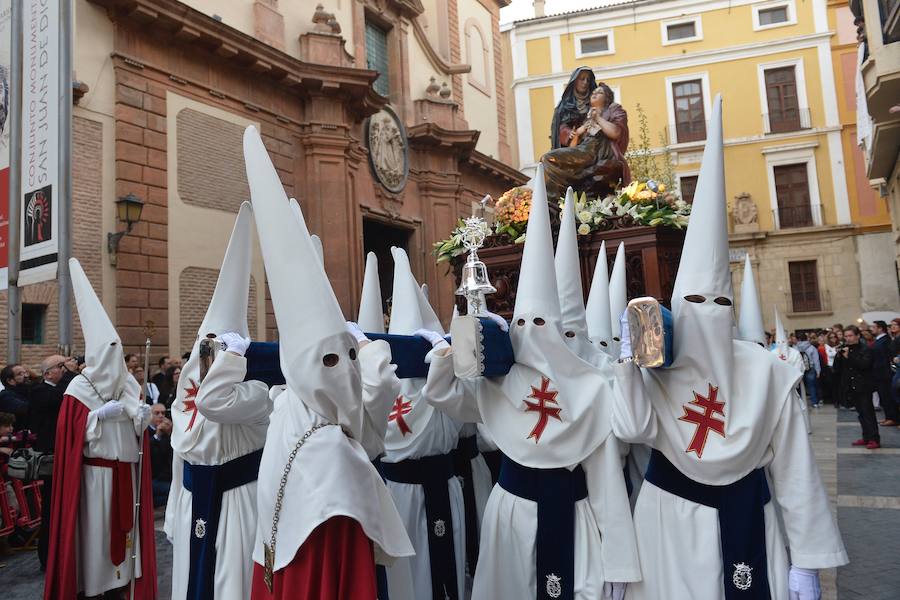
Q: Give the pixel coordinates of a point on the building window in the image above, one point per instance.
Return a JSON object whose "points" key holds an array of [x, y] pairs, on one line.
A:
{"points": [[804, 286], [781, 97], [688, 185], [792, 195], [773, 16], [34, 317], [594, 44], [377, 57], [690, 117], [682, 30], [479, 57]]}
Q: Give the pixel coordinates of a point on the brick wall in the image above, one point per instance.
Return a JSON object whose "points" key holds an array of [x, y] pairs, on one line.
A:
{"points": [[141, 274], [196, 286], [211, 171], [87, 240]]}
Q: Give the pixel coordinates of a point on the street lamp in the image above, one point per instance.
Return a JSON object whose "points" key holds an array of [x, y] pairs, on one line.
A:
{"points": [[128, 211]]}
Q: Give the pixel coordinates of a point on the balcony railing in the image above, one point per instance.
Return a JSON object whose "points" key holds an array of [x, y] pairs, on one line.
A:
{"points": [[792, 217], [682, 133], [806, 303], [783, 121]]}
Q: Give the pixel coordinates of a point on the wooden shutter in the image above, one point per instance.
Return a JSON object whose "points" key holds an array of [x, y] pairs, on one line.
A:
{"points": [[781, 95], [688, 187], [792, 194], [690, 117], [805, 286]]}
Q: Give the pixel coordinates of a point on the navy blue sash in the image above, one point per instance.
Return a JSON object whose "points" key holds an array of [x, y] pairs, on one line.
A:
{"points": [[742, 523], [556, 491], [493, 459], [207, 483], [466, 451], [432, 473]]}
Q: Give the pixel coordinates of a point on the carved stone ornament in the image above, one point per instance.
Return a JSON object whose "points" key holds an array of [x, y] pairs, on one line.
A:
{"points": [[744, 213], [388, 149]]}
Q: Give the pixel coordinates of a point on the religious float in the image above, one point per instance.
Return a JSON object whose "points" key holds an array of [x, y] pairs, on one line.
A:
{"points": [[621, 195]]}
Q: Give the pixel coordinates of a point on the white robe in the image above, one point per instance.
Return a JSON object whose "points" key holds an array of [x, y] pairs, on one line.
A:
{"points": [[112, 439], [332, 474], [431, 433], [791, 356], [678, 540], [231, 422], [605, 548]]}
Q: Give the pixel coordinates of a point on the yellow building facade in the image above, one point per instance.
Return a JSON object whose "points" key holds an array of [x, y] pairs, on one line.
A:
{"points": [[797, 202]]}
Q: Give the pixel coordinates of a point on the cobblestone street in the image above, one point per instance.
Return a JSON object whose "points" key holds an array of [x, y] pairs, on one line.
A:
{"points": [[864, 486]]}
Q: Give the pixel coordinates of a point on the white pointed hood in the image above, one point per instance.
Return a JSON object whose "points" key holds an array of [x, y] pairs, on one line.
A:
{"points": [[545, 365], [410, 309], [703, 273], [780, 334], [750, 326], [318, 355], [227, 311], [371, 317], [568, 279], [103, 357], [598, 310], [618, 297]]}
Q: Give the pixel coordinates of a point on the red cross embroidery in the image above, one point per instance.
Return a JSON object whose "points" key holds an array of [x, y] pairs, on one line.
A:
{"points": [[399, 409], [191, 405], [542, 396], [705, 421]]}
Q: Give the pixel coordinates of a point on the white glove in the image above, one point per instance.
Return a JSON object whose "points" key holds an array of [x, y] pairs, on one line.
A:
{"points": [[504, 326], [235, 342], [437, 340], [143, 417], [111, 410], [614, 590], [625, 337], [354, 330], [804, 584]]}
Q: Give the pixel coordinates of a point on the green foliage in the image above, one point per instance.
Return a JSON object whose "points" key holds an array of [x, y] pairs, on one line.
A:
{"points": [[644, 164]]}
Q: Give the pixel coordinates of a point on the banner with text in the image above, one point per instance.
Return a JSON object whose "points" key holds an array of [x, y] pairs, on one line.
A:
{"points": [[5, 39], [39, 244]]}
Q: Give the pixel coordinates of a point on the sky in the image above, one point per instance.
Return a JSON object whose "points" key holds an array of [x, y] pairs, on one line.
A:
{"points": [[524, 9]]}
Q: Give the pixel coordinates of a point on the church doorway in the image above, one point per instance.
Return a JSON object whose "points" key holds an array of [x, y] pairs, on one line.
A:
{"points": [[378, 237]]}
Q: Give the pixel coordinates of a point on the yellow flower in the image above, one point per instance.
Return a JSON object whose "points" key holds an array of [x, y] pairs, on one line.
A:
{"points": [[584, 216], [631, 189], [662, 187], [584, 229], [644, 195]]}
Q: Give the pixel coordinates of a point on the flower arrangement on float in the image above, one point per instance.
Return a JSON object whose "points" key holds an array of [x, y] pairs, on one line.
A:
{"points": [[640, 203]]}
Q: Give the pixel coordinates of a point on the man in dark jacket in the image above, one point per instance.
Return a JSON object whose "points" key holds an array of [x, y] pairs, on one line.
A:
{"points": [[160, 453], [14, 396], [881, 373], [856, 361], [44, 404]]}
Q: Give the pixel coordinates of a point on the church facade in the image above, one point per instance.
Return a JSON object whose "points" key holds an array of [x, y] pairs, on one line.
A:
{"points": [[385, 119]]}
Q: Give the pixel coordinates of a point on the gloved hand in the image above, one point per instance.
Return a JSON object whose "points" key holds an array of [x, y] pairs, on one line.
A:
{"points": [[804, 584], [504, 326], [111, 410], [625, 337], [354, 330], [614, 590], [235, 342], [437, 340], [143, 417]]}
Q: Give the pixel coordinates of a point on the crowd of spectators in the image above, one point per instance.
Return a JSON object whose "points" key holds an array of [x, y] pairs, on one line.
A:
{"points": [[854, 368], [30, 403]]}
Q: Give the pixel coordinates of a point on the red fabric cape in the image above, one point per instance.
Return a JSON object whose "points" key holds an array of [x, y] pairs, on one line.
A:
{"points": [[336, 562], [60, 582]]}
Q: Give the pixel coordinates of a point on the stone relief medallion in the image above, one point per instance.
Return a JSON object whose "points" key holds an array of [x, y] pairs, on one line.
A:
{"points": [[388, 149]]}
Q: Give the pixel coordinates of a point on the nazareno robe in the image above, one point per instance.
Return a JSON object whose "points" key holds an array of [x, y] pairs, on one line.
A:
{"points": [[64, 580]]}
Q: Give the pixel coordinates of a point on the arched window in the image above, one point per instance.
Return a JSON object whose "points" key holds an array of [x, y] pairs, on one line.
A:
{"points": [[478, 54]]}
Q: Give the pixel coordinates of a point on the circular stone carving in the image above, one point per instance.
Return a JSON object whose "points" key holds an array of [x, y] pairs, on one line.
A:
{"points": [[388, 149]]}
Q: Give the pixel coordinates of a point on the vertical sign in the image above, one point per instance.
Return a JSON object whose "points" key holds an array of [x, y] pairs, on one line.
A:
{"points": [[40, 141], [5, 45]]}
